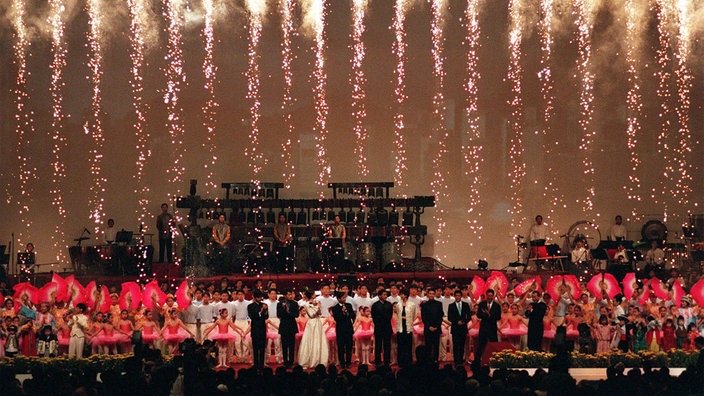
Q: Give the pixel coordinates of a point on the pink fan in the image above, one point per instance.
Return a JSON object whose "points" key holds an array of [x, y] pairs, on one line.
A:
{"points": [[91, 294], [104, 301], [62, 290], [677, 293], [25, 292], [48, 292], [659, 288], [646, 293], [572, 283], [184, 300], [526, 285], [603, 281], [697, 291], [553, 287], [498, 282], [74, 290], [630, 285], [150, 291], [130, 296]]}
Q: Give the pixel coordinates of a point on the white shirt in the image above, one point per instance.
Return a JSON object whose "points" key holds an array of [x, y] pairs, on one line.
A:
{"points": [[416, 300], [109, 235], [393, 299], [272, 308], [359, 302], [241, 309], [446, 301], [618, 231], [229, 305], [190, 314], [538, 231], [207, 313], [325, 304], [656, 256], [580, 254]]}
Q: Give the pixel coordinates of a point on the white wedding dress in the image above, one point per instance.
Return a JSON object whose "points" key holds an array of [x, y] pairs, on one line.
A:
{"points": [[313, 349]]}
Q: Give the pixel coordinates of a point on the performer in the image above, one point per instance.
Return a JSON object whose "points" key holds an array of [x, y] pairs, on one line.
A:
{"points": [[337, 230], [282, 239], [314, 345], [535, 312], [363, 334], [258, 314], [537, 235], [164, 225], [654, 258], [404, 311], [432, 316], [489, 312], [175, 331], [241, 318], [287, 311], [272, 324], [618, 230], [344, 316], [580, 254], [226, 334], [336, 245], [382, 311], [78, 323], [459, 315], [621, 255], [110, 233], [221, 232]]}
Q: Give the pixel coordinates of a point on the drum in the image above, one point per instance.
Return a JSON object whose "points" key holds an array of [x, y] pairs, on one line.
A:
{"points": [[391, 256], [366, 256]]}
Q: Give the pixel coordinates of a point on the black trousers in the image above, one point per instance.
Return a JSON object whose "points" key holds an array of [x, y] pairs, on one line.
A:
{"points": [[458, 341], [382, 341], [344, 348], [404, 342], [288, 348], [481, 344], [432, 343], [258, 348], [166, 246]]}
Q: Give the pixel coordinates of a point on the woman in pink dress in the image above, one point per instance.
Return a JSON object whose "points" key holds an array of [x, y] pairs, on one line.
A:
{"points": [[174, 331], [124, 332], [148, 328], [226, 333], [363, 334], [513, 327]]}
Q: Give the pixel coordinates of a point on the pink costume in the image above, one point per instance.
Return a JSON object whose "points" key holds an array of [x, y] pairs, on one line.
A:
{"points": [[514, 327], [572, 332], [272, 333], [224, 333], [474, 330], [64, 336], [331, 331], [106, 337], [548, 328], [301, 327], [123, 337], [148, 333], [175, 334], [364, 331], [603, 338]]}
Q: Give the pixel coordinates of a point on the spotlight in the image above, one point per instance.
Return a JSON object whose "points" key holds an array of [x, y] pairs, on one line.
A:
{"points": [[482, 265]]}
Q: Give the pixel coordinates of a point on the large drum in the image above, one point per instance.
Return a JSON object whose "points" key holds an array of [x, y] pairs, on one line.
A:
{"points": [[366, 256], [391, 256]]}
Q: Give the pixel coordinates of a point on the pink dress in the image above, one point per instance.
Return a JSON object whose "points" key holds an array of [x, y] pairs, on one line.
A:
{"points": [[174, 333], [64, 336], [106, 337], [514, 327], [331, 331], [122, 338], [548, 328], [474, 330], [272, 333], [224, 333], [572, 332], [364, 331], [301, 327], [148, 333], [603, 338]]}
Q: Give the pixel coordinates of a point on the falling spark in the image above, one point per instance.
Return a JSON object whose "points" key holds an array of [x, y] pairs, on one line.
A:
{"points": [[95, 127], [515, 72], [635, 106], [257, 161], [57, 83], [211, 104], [138, 28], [473, 151], [287, 8], [399, 49], [176, 77], [358, 82], [684, 76], [584, 22], [439, 183], [24, 129], [551, 191], [317, 13]]}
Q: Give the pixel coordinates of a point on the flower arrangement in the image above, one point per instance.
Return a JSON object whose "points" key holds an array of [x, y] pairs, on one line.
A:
{"points": [[533, 359], [99, 363]]}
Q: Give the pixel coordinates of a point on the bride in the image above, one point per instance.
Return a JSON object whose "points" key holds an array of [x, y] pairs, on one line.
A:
{"points": [[313, 349]]}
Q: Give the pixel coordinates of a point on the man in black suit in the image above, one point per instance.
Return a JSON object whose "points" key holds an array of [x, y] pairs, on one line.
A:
{"points": [[258, 314], [535, 312], [458, 314], [382, 311], [344, 316], [489, 311], [287, 311], [432, 314]]}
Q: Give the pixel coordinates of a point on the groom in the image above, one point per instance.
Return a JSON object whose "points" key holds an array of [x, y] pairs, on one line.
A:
{"points": [[344, 316]]}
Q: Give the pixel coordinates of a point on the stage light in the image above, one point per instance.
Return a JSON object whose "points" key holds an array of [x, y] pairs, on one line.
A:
{"points": [[482, 265]]}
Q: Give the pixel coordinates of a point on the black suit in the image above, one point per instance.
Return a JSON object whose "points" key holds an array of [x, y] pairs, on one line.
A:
{"points": [[382, 311], [488, 329], [258, 324], [344, 319], [535, 325], [459, 331], [432, 314], [287, 313]]}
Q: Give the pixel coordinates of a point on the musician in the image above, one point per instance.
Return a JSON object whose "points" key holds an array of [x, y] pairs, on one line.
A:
{"points": [[28, 257], [337, 230], [654, 258], [282, 239], [221, 231], [621, 255], [618, 230], [538, 232], [165, 224], [580, 253], [110, 233]]}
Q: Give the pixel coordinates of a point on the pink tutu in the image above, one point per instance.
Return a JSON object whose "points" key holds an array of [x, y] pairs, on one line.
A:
{"points": [[148, 334], [175, 334], [64, 336], [331, 334], [549, 334], [104, 339], [363, 334], [419, 329], [520, 331], [218, 336], [572, 334], [122, 338], [473, 332], [272, 335]]}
